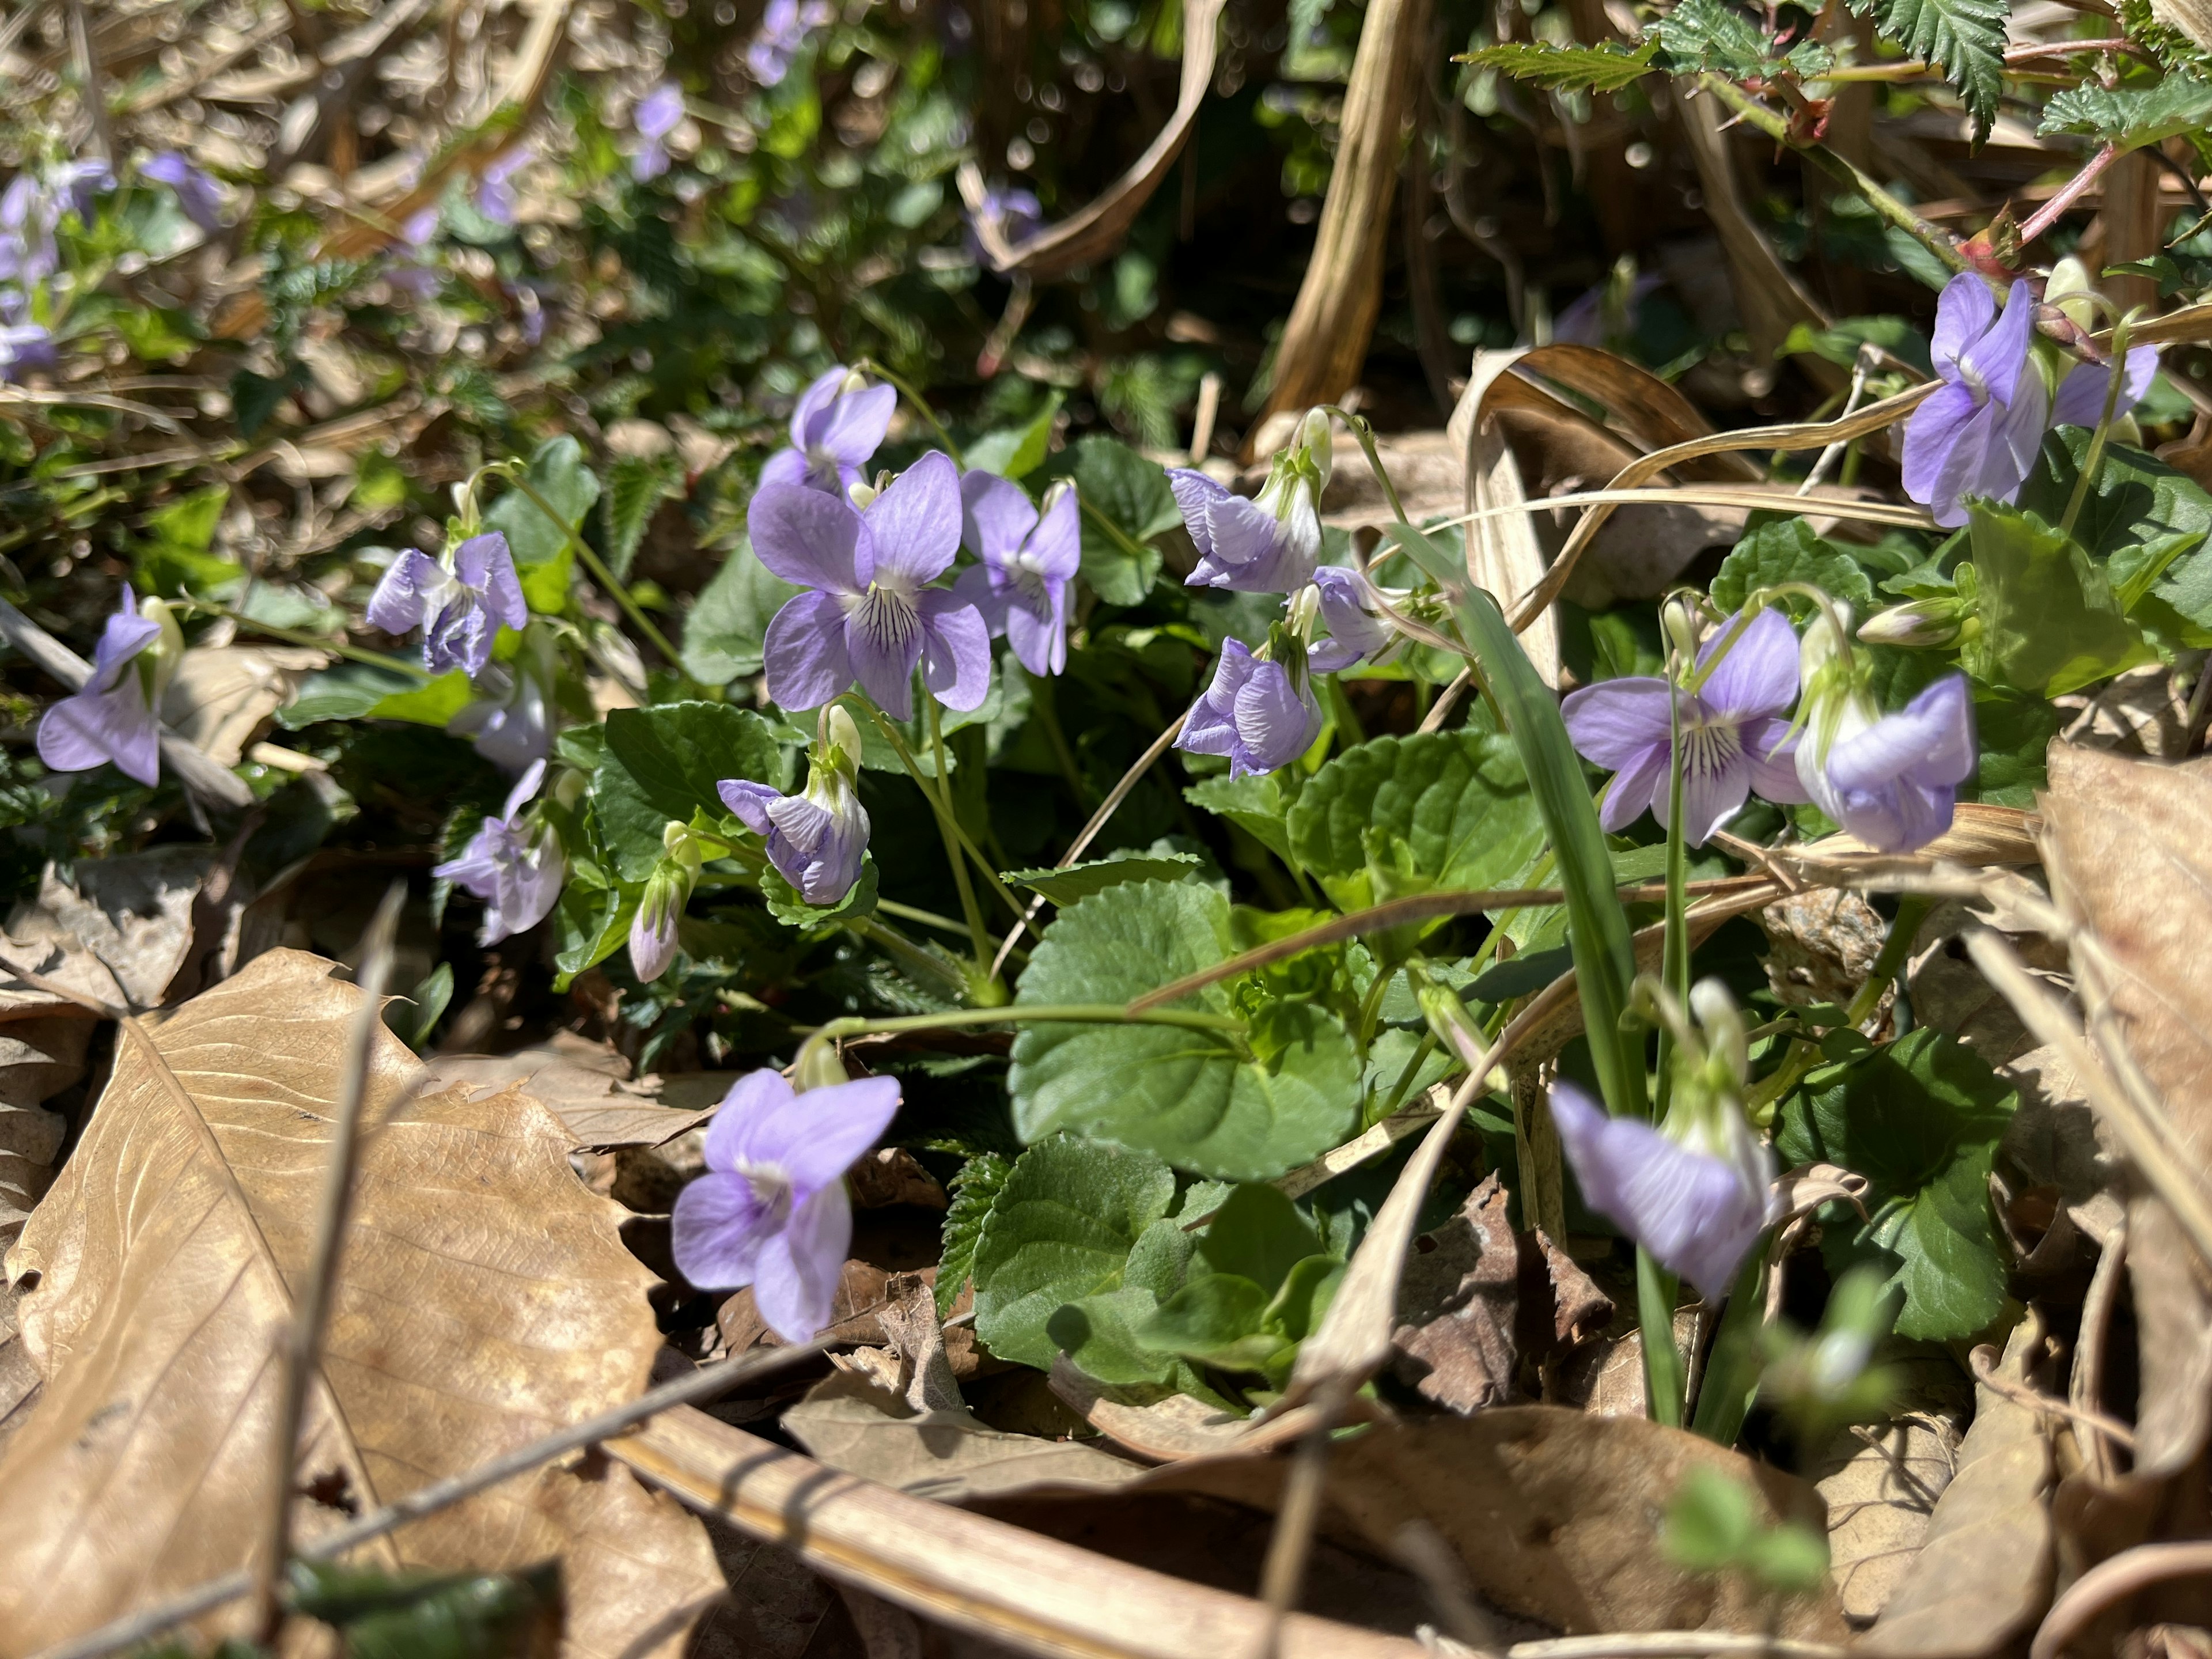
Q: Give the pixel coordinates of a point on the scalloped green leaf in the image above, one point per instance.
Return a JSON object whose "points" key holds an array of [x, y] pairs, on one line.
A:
{"points": [[662, 763], [1789, 551], [2131, 117], [1078, 882], [1605, 67], [1965, 38]]}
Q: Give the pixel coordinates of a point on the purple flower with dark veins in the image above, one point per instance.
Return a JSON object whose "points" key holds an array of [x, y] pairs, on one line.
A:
{"points": [[1357, 630], [495, 189], [515, 869], [818, 838], [836, 427], [1257, 711], [1978, 435], [873, 616], [197, 193], [2081, 399], [658, 113], [1697, 1199], [110, 717], [459, 609], [784, 28], [1734, 731], [1029, 558], [771, 1210]]}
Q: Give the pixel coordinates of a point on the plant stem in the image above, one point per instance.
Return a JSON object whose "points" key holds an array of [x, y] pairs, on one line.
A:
{"points": [[1365, 434], [927, 918], [869, 365], [1043, 699], [1731, 1379], [946, 822], [1061, 1013], [2071, 192], [2115, 374], [299, 636], [601, 574], [897, 944], [1663, 1377], [950, 822], [1937, 241], [1912, 909]]}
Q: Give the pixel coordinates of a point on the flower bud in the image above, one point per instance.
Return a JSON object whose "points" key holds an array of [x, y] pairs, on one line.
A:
{"points": [[1314, 443], [818, 1066], [1920, 624], [158, 662], [2070, 289], [1681, 628], [1727, 1047]]}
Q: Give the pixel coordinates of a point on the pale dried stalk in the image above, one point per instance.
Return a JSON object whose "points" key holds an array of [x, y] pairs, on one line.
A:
{"points": [[2112, 1581], [303, 1340]]}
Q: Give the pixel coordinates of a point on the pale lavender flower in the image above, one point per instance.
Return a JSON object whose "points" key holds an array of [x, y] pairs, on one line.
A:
{"points": [[460, 610], [837, 425], [197, 193], [784, 28], [2081, 399], [771, 1210], [112, 717], [1015, 214], [28, 251], [495, 189], [1734, 731], [1698, 1204], [1357, 628], [1978, 435], [818, 838], [873, 616], [509, 720], [1891, 780], [1029, 560], [411, 267], [653, 937], [1256, 712], [658, 113], [77, 185], [1270, 544], [24, 348], [516, 869]]}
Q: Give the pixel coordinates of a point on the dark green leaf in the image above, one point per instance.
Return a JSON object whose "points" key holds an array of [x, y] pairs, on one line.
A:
{"points": [[1965, 38], [2131, 116], [1259, 1234], [1067, 886], [1605, 67], [662, 764], [1707, 35], [1015, 451], [728, 621], [1130, 494], [975, 1189], [1787, 550], [636, 485], [785, 904], [2048, 622], [1256, 804], [425, 1616]]}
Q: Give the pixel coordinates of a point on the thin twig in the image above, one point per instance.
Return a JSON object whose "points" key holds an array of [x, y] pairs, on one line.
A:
{"points": [[1984, 1360], [334, 1209], [707, 1383], [2112, 1581]]}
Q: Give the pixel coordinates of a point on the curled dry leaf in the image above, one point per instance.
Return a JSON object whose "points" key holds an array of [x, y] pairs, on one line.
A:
{"points": [[126, 923], [484, 1298], [1458, 1301], [1504, 556], [589, 1088]]}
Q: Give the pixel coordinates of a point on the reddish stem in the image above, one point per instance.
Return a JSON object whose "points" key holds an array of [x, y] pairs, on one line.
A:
{"points": [[2047, 215]]}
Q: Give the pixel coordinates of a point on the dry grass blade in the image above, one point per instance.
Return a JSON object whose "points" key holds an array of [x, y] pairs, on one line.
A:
{"points": [[1503, 553], [486, 1298]]}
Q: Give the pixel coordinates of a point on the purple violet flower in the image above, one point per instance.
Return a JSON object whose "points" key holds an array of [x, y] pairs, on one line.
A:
{"points": [[24, 348], [784, 28], [1978, 435], [653, 938], [509, 719], [1014, 214], [460, 610], [658, 113], [77, 185], [1257, 711], [28, 251], [873, 616], [771, 1210], [111, 718], [818, 838], [495, 197], [1028, 559], [197, 193], [1270, 544], [1891, 780], [515, 870], [836, 427], [2081, 399], [1357, 628], [1735, 732], [1698, 1203]]}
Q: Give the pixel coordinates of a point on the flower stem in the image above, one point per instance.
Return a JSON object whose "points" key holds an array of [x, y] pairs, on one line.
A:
{"points": [[2069, 193], [1663, 1377], [1365, 434], [298, 636], [948, 820], [895, 943], [869, 366], [601, 574], [949, 823], [1731, 1379], [1080, 1013], [2092, 461]]}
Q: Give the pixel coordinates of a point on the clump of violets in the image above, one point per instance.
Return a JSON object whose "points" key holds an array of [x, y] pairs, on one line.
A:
{"points": [[653, 929], [835, 430], [1270, 544], [872, 615], [1697, 1191], [816, 838], [1351, 609], [785, 28], [460, 603], [112, 716], [1259, 711], [1735, 730], [658, 113], [771, 1211], [1890, 779], [1979, 434], [1029, 556], [197, 193], [513, 863]]}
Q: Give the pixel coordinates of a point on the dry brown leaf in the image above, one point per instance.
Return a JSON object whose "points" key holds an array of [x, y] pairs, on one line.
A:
{"points": [[591, 1096], [1458, 1301], [127, 921], [1504, 556], [1881, 1491], [221, 695], [484, 1298], [40, 1056], [1639, 407], [1983, 1574], [1156, 1423]]}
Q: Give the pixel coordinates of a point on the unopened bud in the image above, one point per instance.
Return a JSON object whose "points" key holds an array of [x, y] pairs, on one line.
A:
{"points": [[853, 381], [1919, 624], [817, 1066], [2070, 289], [1314, 439], [161, 658], [1681, 628], [1722, 1024]]}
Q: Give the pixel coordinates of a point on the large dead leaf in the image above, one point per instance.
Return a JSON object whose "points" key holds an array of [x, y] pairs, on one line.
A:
{"points": [[40, 1056], [127, 921], [222, 694], [483, 1299]]}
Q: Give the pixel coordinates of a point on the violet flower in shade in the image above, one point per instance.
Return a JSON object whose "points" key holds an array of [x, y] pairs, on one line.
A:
{"points": [[197, 193], [460, 610], [24, 348], [2081, 399], [1270, 544], [873, 616], [1358, 631], [110, 717], [1891, 780], [818, 838], [28, 254], [509, 720], [658, 113], [1735, 731], [1014, 214], [1028, 559], [784, 28], [836, 427], [1978, 435], [515, 868], [771, 1210], [1699, 1203], [494, 196], [1258, 712]]}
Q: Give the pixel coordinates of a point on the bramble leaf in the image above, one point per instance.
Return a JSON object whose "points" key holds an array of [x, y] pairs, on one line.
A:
{"points": [[1605, 67], [1965, 38]]}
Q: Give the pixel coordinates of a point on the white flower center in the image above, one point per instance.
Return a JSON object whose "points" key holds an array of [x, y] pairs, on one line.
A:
{"points": [[1027, 570], [772, 1187], [886, 612]]}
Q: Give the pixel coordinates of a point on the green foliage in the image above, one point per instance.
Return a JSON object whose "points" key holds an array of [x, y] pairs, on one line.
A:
{"points": [[975, 1190], [2147, 522], [1921, 1119], [431, 1616], [728, 621], [2133, 115], [1015, 451], [1965, 38], [2050, 624], [662, 764], [1211, 1102], [1125, 503], [1605, 67], [785, 904], [1713, 1526], [543, 556], [1257, 805], [1789, 551], [1067, 886], [636, 485]]}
